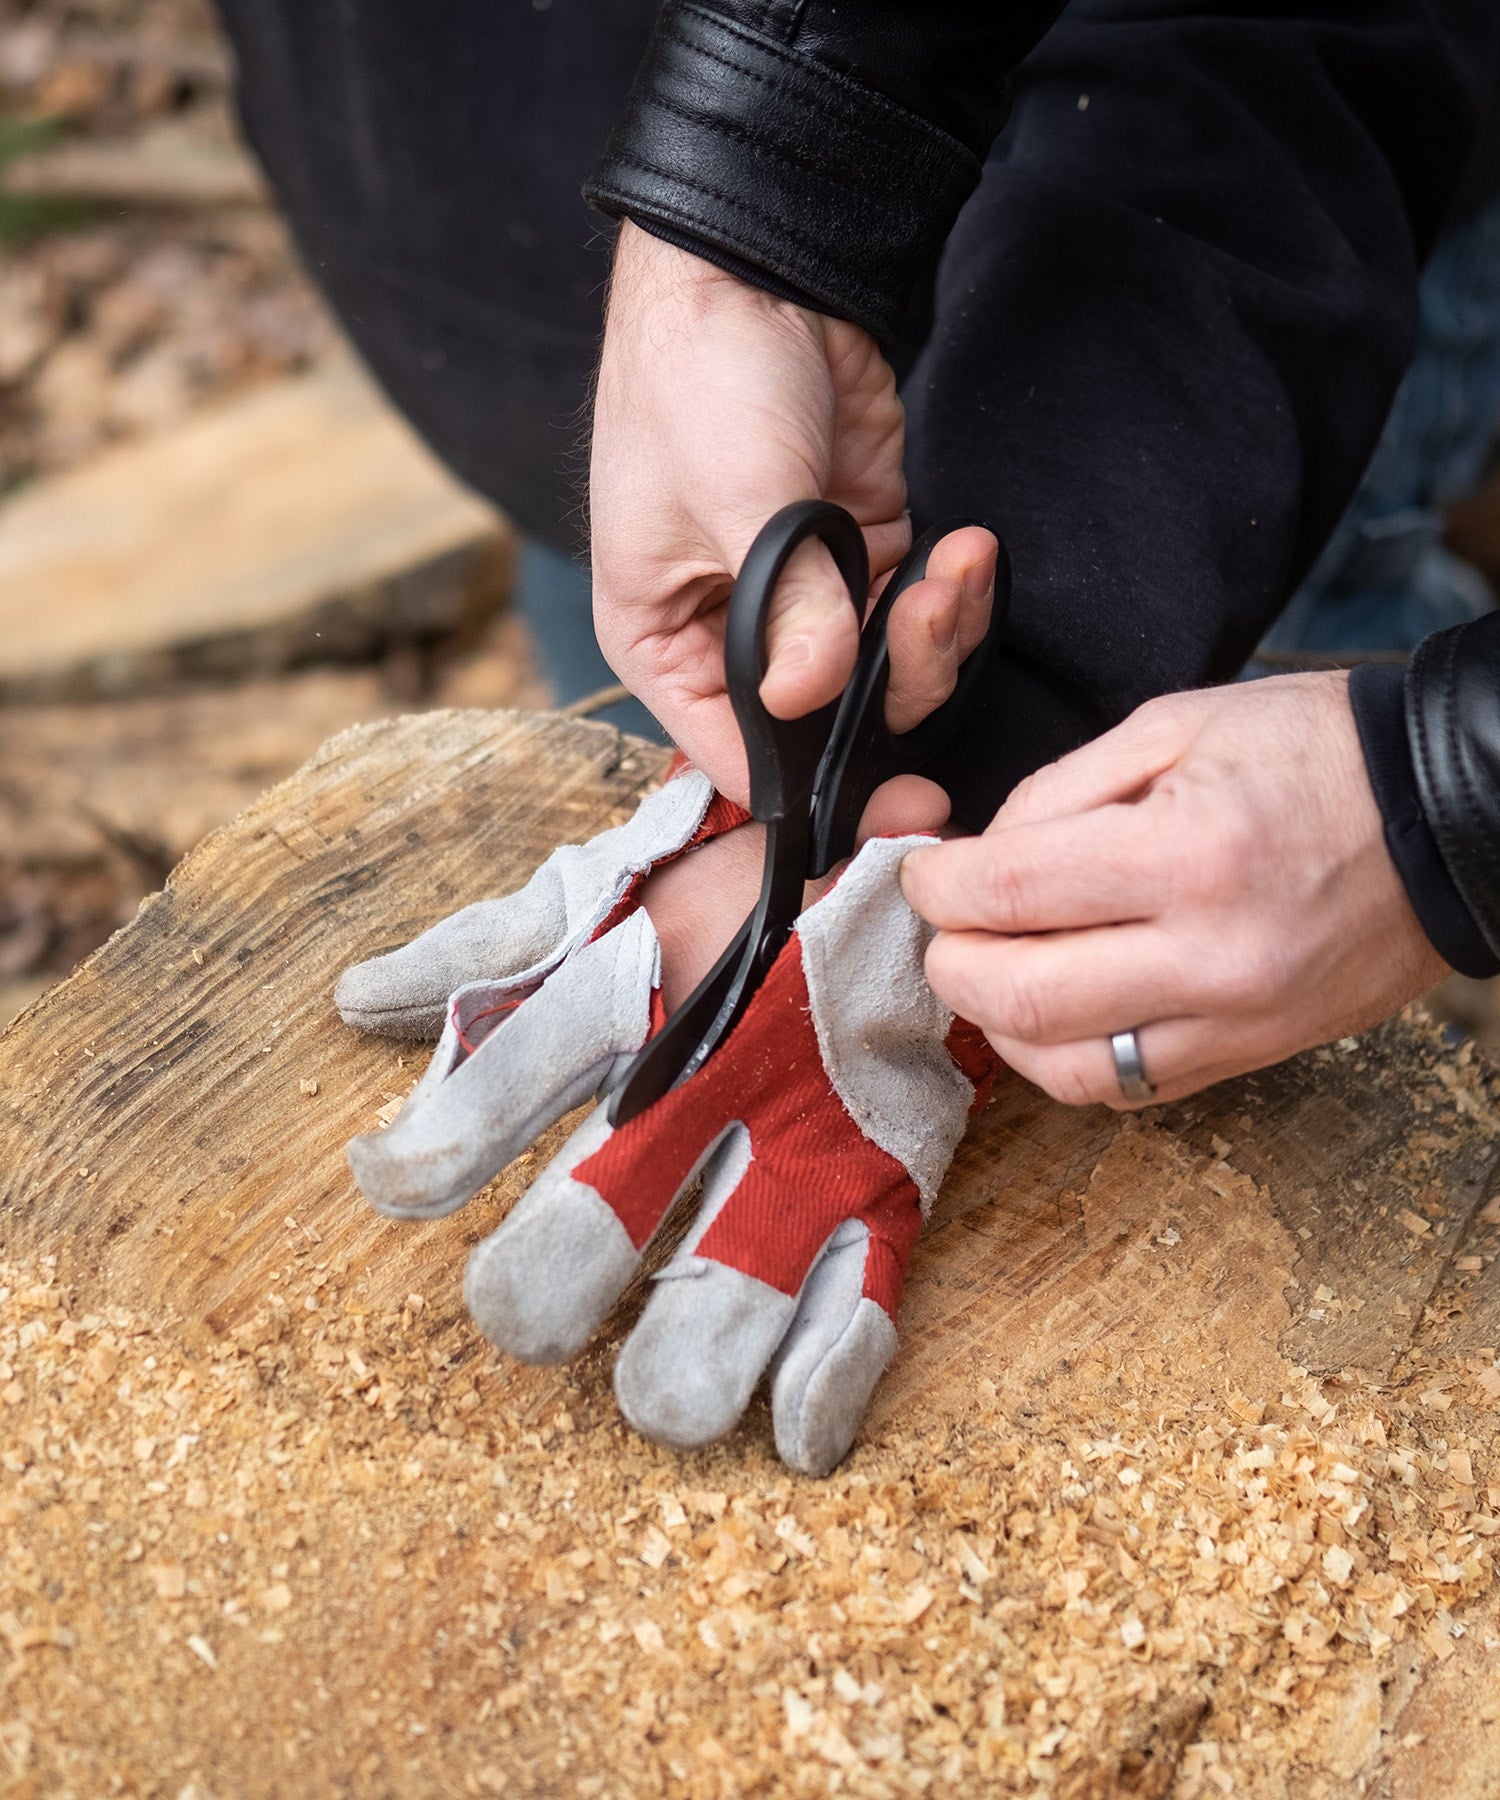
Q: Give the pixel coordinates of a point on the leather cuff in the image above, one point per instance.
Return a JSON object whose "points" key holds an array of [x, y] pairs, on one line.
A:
{"points": [[1377, 696], [734, 142], [1453, 723]]}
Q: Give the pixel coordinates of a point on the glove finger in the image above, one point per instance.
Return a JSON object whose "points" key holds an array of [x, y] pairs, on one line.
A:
{"points": [[539, 1285], [686, 1373], [405, 992], [478, 1107], [522, 936], [749, 1290], [835, 1350], [542, 1284]]}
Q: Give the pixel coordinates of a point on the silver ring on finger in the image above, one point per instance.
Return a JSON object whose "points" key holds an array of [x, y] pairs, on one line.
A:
{"points": [[1130, 1070]]}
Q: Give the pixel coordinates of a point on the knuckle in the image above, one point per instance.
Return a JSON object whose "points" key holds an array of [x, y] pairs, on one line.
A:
{"points": [[1024, 793], [1031, 795], [1069, 1081], [915, 693], [1216, 861], [1172, 717], [1017, 1008], [1161, 709], [1246, 975], [1009, 890]]}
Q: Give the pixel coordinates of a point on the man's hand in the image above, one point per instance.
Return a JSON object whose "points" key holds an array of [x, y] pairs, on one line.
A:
{"points": [[718, 404], [1211, 873]]}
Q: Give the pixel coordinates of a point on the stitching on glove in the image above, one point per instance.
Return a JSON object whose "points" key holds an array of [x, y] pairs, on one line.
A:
{"points": [[490, 1012]]}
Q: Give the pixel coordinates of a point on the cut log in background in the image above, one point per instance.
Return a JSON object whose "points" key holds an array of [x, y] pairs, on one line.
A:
{"points": [[1183, 1482], [191, 161], [304, 523]]}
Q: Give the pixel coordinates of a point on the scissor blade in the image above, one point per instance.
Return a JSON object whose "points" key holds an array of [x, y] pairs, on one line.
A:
{"points": [[862, 752], [685, 1042]]}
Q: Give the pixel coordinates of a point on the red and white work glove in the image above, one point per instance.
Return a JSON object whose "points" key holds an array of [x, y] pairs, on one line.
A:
{"points": [[822, 1128]]}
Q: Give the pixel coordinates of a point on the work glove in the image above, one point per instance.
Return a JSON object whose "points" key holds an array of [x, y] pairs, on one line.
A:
{"points": [[822, 1128]]}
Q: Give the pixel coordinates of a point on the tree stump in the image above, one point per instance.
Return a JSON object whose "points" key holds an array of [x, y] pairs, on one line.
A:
{"points": [[1183, 1481]]}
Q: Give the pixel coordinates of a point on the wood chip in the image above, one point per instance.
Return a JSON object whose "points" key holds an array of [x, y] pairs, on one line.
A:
{"points": [[1338, 1564], [915, 1604], [169, 1580]]}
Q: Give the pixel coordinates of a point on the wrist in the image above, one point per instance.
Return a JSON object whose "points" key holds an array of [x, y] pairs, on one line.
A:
{"points": [[647, 267], [651, 271]]}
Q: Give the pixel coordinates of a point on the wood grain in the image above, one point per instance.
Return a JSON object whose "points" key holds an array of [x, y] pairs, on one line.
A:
{"points": [[215, 1004], [177, 1052]]}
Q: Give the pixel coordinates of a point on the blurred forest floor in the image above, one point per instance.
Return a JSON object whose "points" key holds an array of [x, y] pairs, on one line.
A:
{"points": [[145, 276], [118, 318], [146, 279]]}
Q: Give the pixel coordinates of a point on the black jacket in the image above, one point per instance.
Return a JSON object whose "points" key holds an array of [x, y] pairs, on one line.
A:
{"points": [[1162, 320], [1150, 331]]}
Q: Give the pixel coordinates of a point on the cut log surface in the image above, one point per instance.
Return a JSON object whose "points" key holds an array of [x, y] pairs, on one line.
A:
{"points": [[1183, 1481], [301, 522]]}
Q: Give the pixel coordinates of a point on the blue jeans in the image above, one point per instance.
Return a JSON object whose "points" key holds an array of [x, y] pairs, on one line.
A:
{"points": [[556, 600], [1384, 580]]}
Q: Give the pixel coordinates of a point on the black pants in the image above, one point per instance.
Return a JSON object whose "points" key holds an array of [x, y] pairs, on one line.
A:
{"points": [[1163, 423]]}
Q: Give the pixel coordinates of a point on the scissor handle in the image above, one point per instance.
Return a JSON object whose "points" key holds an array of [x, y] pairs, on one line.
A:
{"points": [[784, 754], [862, 750], [841, 753]]}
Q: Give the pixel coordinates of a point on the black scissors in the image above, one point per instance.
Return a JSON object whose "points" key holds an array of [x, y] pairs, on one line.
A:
{"points": [[810, 778]]}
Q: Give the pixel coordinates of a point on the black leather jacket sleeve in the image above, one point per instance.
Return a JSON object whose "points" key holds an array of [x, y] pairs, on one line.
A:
{"points": [[1453, 726], [820, 149], [1379, 697]]}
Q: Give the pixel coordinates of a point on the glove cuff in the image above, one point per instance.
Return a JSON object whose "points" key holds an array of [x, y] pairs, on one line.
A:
{"points": [[577, 895], [721, 815]]}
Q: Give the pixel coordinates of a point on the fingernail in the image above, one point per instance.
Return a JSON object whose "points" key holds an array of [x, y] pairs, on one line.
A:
{"points": [[979, 578], [793, 652], [911, 857], [944, 631]]}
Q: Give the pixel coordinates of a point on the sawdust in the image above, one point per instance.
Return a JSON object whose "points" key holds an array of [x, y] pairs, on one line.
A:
{"points": [[277, 1521], [322, 1553]]}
